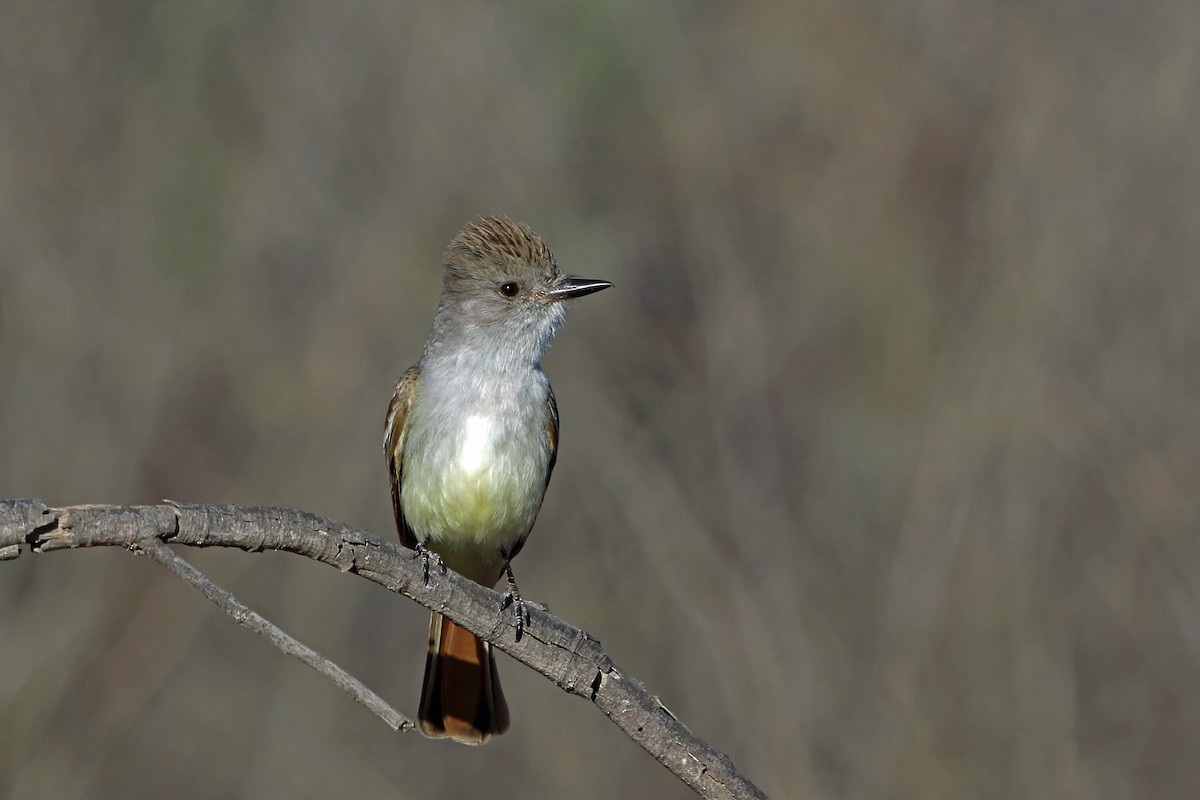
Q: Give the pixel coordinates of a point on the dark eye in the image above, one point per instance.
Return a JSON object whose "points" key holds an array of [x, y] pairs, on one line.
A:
{"points": [[510, 289]]}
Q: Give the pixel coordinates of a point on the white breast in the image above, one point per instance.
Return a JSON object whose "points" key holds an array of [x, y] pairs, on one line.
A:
{"points": [[473, 482], [476, 443]]}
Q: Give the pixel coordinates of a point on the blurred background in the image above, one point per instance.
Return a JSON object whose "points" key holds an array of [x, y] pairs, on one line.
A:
{"points": [[879, 464]]}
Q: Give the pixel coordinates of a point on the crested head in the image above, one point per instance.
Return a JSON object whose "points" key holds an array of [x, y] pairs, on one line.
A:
{"points": [[496, 246], [503, 296]]}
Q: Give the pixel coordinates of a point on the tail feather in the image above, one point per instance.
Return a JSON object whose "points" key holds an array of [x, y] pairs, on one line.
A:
{"points": [[461, 696]]}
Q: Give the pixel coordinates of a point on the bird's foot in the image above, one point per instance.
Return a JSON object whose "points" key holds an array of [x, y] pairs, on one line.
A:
{"points": [[426, 555], [512, 597]]}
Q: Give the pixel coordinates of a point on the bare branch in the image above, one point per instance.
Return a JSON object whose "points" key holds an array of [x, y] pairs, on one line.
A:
{"points": [[155, 549], [559, 651]]}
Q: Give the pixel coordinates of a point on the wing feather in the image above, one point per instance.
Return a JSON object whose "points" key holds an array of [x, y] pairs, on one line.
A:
{"points": [[551, 433], [552, 444], [393, 447]]}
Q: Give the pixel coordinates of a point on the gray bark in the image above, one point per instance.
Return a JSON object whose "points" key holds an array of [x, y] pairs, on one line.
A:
{"points": [[559, 651]]}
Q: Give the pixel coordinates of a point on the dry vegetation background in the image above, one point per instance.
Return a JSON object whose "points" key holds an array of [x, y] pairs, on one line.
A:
{"points": [[879, 464]]}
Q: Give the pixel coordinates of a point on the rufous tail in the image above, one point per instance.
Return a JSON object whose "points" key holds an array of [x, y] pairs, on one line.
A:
{"points": [[461, 697]]}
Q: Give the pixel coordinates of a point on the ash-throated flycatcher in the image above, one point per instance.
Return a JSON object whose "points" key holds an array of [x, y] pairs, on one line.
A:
{"points": [[472, 435]]}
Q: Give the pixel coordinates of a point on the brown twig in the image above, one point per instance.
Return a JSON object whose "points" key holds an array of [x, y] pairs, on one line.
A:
{"points": [[559, 651]]}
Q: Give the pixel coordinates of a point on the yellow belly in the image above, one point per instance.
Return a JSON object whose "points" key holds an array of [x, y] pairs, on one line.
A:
{"points": [[472, 503], [478, 509]]}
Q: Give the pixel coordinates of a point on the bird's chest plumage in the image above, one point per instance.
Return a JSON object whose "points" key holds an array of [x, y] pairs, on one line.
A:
{"points": [[475, 463]]}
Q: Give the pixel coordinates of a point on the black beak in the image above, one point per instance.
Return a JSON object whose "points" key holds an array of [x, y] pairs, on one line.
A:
{"points": [[570, 287]]}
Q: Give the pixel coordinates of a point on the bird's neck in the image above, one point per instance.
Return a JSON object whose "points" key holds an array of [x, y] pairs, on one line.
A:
{"points": [[479, 354], [485, 380], [459, 345]]}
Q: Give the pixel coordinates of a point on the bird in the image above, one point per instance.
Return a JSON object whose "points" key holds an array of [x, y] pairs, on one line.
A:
{"points": [[471, 441]]}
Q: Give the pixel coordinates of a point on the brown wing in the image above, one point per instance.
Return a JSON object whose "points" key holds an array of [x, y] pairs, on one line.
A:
{"points": [[551, 433], [393, 447], [552, 442]]}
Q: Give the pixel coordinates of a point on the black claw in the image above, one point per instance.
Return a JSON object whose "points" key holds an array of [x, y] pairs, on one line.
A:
{"points": [[512, 597], [426, 555]]}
